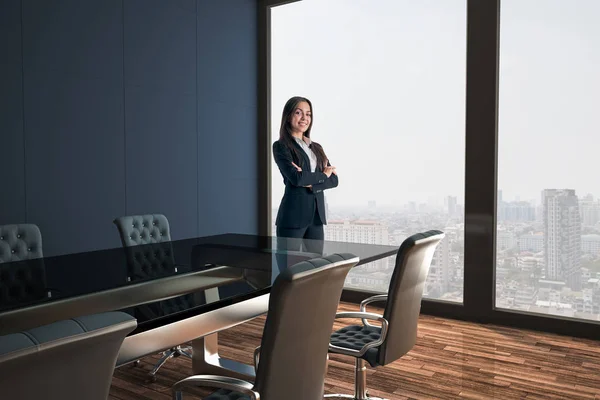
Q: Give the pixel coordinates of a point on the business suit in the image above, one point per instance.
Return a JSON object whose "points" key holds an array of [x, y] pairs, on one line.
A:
{"points": [[301, 207]]}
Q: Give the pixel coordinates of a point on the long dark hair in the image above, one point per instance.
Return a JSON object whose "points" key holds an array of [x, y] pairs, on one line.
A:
{"points": [[285, 131]]}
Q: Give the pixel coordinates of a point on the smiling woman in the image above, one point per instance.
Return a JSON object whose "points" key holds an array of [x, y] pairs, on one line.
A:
{"points": [[306, 173]]}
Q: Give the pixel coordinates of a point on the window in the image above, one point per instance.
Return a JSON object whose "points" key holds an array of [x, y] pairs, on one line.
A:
{"points": [[548, 232], [387, 83]]}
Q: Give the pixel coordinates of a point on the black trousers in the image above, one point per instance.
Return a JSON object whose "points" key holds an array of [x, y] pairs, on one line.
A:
{"points": [[313, 231], [312, 242]]}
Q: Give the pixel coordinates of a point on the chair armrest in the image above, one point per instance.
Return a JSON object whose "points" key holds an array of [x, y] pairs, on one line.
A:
{"points": [[372, 299], [215, 381], [256, 358], [363, 316]]}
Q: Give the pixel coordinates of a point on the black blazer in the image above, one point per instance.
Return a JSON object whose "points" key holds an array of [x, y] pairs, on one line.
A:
{"points": [[297, 207]]}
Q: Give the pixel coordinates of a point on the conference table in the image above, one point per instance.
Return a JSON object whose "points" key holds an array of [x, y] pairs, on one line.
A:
{"points": [[179, 291]]}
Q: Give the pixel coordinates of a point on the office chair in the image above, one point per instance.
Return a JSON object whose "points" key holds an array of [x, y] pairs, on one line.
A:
{"points": [[66, 360], [22, 270], [292, 359], [147, 243], [20, 242], [398, 333]]}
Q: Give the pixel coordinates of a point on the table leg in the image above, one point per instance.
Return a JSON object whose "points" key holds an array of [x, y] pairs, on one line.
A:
{"points": [[206, 360]]}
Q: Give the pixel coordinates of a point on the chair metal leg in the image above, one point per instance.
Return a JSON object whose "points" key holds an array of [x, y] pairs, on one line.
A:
{"points": [[171, 353], [185, 351], [166, 356], [360, 384]]}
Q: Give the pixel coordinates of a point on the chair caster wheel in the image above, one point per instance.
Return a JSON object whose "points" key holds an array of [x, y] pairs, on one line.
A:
{"points": [[136, 363]]}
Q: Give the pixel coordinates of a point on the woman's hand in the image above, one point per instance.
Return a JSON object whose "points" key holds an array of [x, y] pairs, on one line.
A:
{"points": [[329, 170], [300, 170]]}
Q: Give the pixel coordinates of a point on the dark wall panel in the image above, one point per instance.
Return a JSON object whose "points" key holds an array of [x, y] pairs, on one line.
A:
{"points": [[160, 111], [161, 152], [160, 45], [227, 122], [120, 107], [12, 192], [227, 51], [73, 68], [228, 206]]}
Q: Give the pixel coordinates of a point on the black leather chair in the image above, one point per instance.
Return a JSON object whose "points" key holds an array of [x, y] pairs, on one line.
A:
{"points": [[20, 242], [146, 240], [22, 270], [292, 359], [66, 360], [379, 346]]}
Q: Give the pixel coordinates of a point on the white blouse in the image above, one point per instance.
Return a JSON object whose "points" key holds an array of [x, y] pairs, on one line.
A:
{"points": [[311, 156]]}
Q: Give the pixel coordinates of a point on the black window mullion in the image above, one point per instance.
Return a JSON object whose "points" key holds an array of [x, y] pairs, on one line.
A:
{"points": [[481, 155]]}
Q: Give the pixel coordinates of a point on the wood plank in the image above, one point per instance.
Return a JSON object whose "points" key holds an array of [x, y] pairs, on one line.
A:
{"points": [[451, 360]]}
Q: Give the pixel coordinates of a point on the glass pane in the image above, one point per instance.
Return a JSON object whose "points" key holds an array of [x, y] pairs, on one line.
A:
{"points": [[548, 237], [387, 82]]}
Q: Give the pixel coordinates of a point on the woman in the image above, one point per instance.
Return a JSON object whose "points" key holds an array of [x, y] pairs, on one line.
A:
{"points": [[306, 173]]}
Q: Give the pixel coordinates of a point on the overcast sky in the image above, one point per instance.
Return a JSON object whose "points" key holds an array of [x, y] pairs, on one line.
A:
{"points": [[387, 82]]}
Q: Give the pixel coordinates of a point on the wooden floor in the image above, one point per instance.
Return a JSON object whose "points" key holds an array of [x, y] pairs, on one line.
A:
{"points": [[451, 360]]}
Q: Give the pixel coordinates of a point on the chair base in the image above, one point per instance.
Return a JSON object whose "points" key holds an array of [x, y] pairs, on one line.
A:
{"points": [[167, 355], [360, 384]]}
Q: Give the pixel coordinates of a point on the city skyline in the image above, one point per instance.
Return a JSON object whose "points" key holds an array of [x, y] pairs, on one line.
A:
{"points": [[439, 201], [545, 263]]}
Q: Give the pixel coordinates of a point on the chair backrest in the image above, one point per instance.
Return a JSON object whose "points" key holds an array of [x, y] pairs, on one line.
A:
{"points": [[70, 359], [302, 306], [20, 242], [22, 282], [405, 292], [147, 243], [22, 270], [143, 229]]}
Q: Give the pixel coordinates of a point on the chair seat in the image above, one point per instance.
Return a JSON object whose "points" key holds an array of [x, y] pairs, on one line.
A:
{"points": [[355, 337], [223, 394]]}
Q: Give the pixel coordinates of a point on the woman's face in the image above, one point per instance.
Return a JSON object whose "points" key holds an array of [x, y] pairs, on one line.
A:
{"points": [[301, 118]]}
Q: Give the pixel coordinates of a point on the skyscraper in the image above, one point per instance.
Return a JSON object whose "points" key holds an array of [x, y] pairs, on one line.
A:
{"points": [[562, 236], [589, 210], [451, 205]]}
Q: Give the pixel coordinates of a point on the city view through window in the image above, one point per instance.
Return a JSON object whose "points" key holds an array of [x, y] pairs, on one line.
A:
{"points": [[548, 234], [387, 82]]}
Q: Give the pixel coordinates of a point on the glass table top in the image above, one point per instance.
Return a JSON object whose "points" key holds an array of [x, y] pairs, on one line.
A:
{"points": [[162, 282]]}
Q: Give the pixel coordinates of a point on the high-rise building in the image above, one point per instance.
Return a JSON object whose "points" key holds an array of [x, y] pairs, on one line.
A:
{"points": [[451, 205], [589, 210], [360, 231], [412, 207], [590, 244], [505, 240], [562, 236], [518, 211], [531, 242]]}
